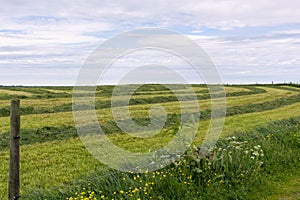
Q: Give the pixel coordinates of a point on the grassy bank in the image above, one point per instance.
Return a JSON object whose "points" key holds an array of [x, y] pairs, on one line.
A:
{"points": [[259, 164]]}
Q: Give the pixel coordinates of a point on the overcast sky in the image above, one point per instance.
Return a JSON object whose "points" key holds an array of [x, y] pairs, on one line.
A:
{"points": [[46, 42]]}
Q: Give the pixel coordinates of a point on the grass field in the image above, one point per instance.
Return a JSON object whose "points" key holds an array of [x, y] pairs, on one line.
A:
{"points": [[262, 120]]}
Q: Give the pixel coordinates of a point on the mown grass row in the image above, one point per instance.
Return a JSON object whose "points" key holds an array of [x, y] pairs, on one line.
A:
{"points": [[50, 133], [55, 132], [140, 112], [32, 93], [66, 92], [270, 94], [106, 103], [242, 166], [61, 104]]}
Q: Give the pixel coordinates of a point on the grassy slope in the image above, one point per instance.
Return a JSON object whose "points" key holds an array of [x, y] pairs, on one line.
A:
{"points": [[74, 160], [277, 177]]}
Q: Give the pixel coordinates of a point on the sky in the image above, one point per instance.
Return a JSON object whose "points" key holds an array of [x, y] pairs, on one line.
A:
{"points": [[47, 42]]}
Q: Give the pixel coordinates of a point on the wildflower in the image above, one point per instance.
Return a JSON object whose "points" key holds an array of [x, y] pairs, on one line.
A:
{"points": [[135, 190], [255, 153]]}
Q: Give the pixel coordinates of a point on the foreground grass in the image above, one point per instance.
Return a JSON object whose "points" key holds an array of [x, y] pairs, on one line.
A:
{"points": [[66, 160], [259, 164]]}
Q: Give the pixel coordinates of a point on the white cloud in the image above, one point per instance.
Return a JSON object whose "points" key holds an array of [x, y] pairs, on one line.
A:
{"points": [[65, 32], [213, 13]]}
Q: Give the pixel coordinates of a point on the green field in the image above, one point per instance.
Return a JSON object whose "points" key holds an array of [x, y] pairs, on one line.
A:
{"points": [[55, 164]]}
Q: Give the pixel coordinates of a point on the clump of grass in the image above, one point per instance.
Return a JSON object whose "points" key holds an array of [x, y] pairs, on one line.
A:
{"points": [[147, 185], [229, 164]]}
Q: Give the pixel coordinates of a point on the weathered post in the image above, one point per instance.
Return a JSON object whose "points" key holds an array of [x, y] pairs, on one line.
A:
{"points": [[14, 162]]}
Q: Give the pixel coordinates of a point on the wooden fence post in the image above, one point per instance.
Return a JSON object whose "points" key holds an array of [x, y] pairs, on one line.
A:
{"points": [[14, 162]]}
